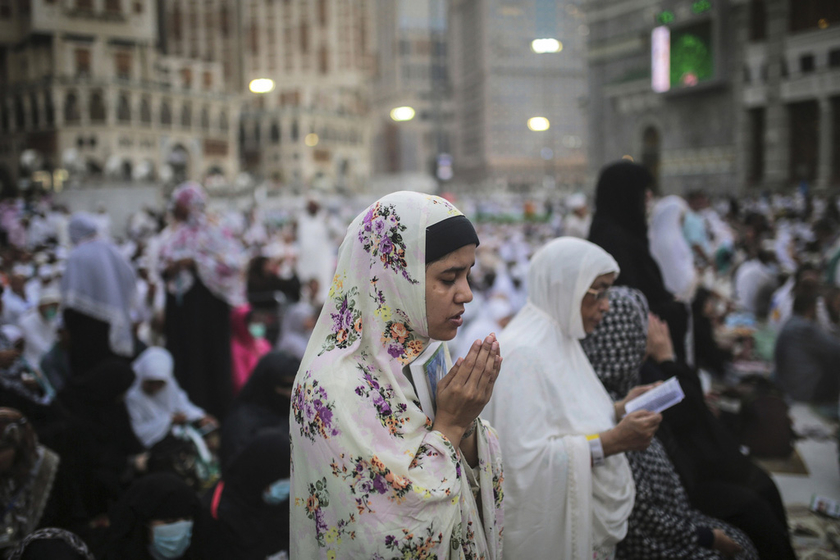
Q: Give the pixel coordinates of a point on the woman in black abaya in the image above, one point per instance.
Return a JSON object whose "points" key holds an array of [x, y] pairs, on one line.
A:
{"points": [[619, 226], [202, 267]]}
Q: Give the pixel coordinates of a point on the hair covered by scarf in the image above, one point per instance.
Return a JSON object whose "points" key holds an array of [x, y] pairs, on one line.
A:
{"points": [[620, 196], [18, 434], [191, 197], [53, 544], [616, 348]]}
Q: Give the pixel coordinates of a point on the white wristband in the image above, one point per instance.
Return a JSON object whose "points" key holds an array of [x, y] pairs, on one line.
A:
{"points": [[596, 449]]}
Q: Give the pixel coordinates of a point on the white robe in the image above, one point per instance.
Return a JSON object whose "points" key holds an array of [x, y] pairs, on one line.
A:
{"points": [[547, 399]]}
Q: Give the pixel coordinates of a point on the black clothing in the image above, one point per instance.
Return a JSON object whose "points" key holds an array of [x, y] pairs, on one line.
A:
{"points": [[89, 342], [708, 355], [155, 497], [198, 336], [242, 525], [720, 480], [619, 227], [258, 405]]}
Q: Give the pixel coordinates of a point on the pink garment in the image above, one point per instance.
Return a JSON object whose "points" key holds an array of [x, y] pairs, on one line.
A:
{"points": [[246, 350]]}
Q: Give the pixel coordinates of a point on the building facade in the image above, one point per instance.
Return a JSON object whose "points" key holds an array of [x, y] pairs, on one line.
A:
{"points": [[412, 71], [313, 129], [500, 83], [720, 95], [84, 86]]}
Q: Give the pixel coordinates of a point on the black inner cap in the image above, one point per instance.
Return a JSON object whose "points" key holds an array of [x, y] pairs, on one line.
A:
{"points": [[449, 235]]}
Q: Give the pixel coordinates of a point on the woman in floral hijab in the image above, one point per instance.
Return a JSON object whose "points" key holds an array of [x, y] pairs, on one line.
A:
{"points": [[372, 475]]}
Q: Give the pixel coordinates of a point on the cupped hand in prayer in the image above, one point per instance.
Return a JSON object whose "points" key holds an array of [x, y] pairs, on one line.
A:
{"points": [[467, 388]]}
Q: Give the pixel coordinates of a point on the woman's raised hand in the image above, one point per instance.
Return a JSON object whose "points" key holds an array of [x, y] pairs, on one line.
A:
{"points": [[467, 388], [633, 433]]}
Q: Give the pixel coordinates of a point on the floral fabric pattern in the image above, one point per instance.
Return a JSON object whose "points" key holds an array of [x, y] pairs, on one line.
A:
{"points": [[371, 478]]}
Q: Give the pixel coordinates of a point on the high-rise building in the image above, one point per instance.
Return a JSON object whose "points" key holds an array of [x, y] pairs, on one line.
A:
{"points": [[84, 85], [504, 82], [313, 128], [412, 110], [721, 96]]}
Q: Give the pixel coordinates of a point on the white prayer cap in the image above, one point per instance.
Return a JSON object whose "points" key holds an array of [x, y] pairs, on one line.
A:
{"points": [[49, 295], [576, 201]]}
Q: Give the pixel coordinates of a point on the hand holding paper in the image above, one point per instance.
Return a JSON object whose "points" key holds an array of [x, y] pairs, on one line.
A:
{"points": [[658, 399]]}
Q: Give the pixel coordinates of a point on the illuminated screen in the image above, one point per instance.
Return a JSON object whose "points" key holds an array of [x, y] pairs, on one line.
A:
{"points": [[681, 57], [692, 59]]}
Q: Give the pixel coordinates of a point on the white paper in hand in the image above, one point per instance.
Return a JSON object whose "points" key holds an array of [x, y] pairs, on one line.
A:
{"points": [[426, 371], [656, 400]]}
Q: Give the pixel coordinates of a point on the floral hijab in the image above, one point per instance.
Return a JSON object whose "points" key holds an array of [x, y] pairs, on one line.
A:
{"points": [[370, 478], [219, 258]]}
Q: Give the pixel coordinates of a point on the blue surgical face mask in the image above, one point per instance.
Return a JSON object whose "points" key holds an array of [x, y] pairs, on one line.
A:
{"points": [[171, 540], [257, 330], [278, 492]]}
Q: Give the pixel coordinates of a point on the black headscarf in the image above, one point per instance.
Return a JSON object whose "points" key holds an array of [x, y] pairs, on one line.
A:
{"points": [[449, 235], [244, 526], [275, 369], [620, 197], [51, 544], [154, 497], [259, 406], [619, 226]]}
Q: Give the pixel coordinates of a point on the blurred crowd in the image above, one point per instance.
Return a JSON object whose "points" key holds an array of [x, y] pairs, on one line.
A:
{"points": [[146, 374]]}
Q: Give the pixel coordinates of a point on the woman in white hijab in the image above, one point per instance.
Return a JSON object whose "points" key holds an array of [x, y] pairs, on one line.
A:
{"points": [[670, 249], [568, 486], [155, 401]]}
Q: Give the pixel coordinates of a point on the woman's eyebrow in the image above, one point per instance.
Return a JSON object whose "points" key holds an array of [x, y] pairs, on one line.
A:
{"points": [[457, 269]]}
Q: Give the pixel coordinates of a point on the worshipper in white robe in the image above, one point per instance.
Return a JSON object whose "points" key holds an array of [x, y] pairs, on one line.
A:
{"points": [[38, 326], [670, 249], [317, 257], [15, 299], [155, 401], [753, 277], [568, 487], [579, 219]]}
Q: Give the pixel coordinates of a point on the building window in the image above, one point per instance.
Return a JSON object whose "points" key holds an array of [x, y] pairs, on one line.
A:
{"points": [[322, 13], [186, 115], [758, 20], [205, 119], [834, 58], [165, 114], [275, 133], [49, 110], [124, 109], [323, 60], [122, 61], [176, 23], [84, 4], [255, 38], [755, 173], [804, 119], [224, 24], [71, 108], [113, 6], [186, 77], [294, 133], [808, 15], [97, 107], [138, 7], [4, 118], [20, 115], [145, 111], [24, 7], [651, 147], [223, 122], [304, 37], [207, 79], [82, 62], [33, 109], [5, 9], [806, 63]]}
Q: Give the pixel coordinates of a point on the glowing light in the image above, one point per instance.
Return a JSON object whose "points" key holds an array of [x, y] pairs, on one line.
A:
{"points": [[401, 114], [627, 158], [261, 85], [311, 139], [822, 23], [546, 45], [538, 124]]}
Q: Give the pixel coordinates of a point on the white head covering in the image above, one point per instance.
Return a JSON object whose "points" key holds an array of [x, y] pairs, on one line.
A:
{"points": [[576, 201], [83, 226], [547, 399], [294, 335], [151, 416], [99, 282], [364, 457], [670, 250]]}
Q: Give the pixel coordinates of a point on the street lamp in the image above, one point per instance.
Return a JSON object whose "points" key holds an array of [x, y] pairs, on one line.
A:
{"points": [[538, 124], [261, 85], [546, 45], [311, 139], [402, 114]]}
